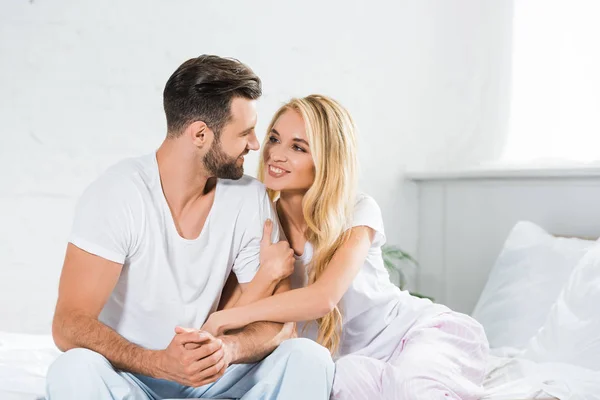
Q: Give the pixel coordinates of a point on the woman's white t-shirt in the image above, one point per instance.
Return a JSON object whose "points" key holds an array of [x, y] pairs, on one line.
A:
{"points": [[376, 313]]}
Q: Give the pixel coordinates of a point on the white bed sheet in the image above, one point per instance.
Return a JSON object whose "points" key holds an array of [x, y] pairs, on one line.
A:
{"points": [[24, 361], [510, 377], [4, 395]]}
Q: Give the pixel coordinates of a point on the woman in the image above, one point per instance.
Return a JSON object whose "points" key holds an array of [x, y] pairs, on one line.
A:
{"points": [[388, 344]]}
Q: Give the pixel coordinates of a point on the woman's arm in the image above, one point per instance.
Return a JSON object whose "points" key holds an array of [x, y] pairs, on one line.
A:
{"points": [[308, 303], [276, 264], [259, 288], [230, 294], [238, 295]]}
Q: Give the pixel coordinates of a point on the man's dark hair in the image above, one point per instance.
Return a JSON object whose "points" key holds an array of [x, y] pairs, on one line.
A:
{"points": [[202, 88]]}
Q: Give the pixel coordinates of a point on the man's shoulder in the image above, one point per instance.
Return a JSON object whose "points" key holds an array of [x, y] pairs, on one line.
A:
{"points": [[122, 178], [131, 168], [246, 195], [245, 186]]}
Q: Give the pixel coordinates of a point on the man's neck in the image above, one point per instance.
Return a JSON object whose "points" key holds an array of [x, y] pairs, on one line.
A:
{"points": [[183, 179]]}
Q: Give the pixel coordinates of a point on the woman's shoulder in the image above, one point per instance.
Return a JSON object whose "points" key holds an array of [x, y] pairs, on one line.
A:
{"points": [[365, 203], [368, 213]]}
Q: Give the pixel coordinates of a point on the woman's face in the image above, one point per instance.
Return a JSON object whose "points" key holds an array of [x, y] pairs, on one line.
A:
{"points": [[289, 165]]}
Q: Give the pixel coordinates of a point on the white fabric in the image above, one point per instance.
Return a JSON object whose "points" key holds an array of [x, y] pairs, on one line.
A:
{"points": [[571, 333], [19, 396], [510, 376], [167, 280], [524, 283], [298, 369], [24, 361], [443, 357], [376, 313]]}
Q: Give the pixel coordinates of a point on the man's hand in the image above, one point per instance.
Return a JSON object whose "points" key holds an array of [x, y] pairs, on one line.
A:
{"points": [[276, 260], [193, 358]]}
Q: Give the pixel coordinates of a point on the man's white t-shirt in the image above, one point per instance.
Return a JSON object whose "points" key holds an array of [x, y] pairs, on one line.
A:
{"points": [[167, 280], [376, 314]]}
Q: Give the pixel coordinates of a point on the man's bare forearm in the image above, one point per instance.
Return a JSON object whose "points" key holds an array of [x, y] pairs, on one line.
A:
{"points": [[87, 332], [256, 341]]}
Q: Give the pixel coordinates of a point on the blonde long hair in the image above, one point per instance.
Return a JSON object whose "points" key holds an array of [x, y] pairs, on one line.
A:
{"points": [[329, 203]]}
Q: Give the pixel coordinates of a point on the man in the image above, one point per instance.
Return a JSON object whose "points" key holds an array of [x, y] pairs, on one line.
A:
{"points": [[153, 242]]}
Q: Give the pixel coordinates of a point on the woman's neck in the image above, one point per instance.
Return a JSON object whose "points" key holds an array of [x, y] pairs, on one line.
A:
{"points": [[289, 210]]}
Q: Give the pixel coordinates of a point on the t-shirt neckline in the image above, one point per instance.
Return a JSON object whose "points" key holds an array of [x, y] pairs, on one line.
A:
{"points": [[166, 208]]}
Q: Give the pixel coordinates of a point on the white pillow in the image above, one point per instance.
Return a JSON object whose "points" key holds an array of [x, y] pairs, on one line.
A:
{"points": [[571, 333], [525, 282]]}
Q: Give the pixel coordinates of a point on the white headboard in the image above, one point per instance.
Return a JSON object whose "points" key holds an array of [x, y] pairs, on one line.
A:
{"points": [[465, 217]]}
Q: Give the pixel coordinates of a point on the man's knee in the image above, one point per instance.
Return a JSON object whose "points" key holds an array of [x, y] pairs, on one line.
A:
{"points": [[306, 351], [305, 346], [76, 362]]}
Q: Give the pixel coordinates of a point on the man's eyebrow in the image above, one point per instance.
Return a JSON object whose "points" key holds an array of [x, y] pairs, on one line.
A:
{"points": [[247, 131]]}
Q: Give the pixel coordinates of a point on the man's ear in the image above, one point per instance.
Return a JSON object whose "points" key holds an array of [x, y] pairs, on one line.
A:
{"points": [[200, 133]]}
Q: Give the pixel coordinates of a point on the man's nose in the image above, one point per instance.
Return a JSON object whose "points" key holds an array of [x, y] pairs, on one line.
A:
{"points": [[253, 143]]}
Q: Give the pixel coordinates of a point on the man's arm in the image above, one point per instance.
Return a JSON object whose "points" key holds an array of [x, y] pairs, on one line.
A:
{"points": [[276, 265], [256, 341], [85, 284]]}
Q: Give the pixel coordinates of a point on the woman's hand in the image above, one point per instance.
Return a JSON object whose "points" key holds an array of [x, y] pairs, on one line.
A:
{"points": [[215, 324], [276, 260]]}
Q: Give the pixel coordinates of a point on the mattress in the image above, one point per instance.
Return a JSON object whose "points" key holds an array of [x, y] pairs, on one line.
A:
{"points": [[24, 361], [510, 377]]}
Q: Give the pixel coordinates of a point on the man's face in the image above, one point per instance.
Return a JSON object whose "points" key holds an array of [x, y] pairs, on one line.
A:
{"points": [[225, 158]]}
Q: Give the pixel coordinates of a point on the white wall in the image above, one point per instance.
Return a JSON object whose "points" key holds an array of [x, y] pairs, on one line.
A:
{"points": [[81, 86]]}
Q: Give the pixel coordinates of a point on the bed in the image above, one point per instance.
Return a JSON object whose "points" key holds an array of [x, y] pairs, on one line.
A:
{"points": [[24, 360], [540, 349]]}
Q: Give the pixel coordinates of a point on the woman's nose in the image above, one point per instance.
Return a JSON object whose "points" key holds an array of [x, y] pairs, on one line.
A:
{"points": [[277, 156]]}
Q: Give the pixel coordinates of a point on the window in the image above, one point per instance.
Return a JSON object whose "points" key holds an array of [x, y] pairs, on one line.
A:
{"points": [[555, 95]]}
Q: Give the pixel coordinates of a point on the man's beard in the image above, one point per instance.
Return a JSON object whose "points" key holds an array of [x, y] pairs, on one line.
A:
{"points": [[220, 164]]}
